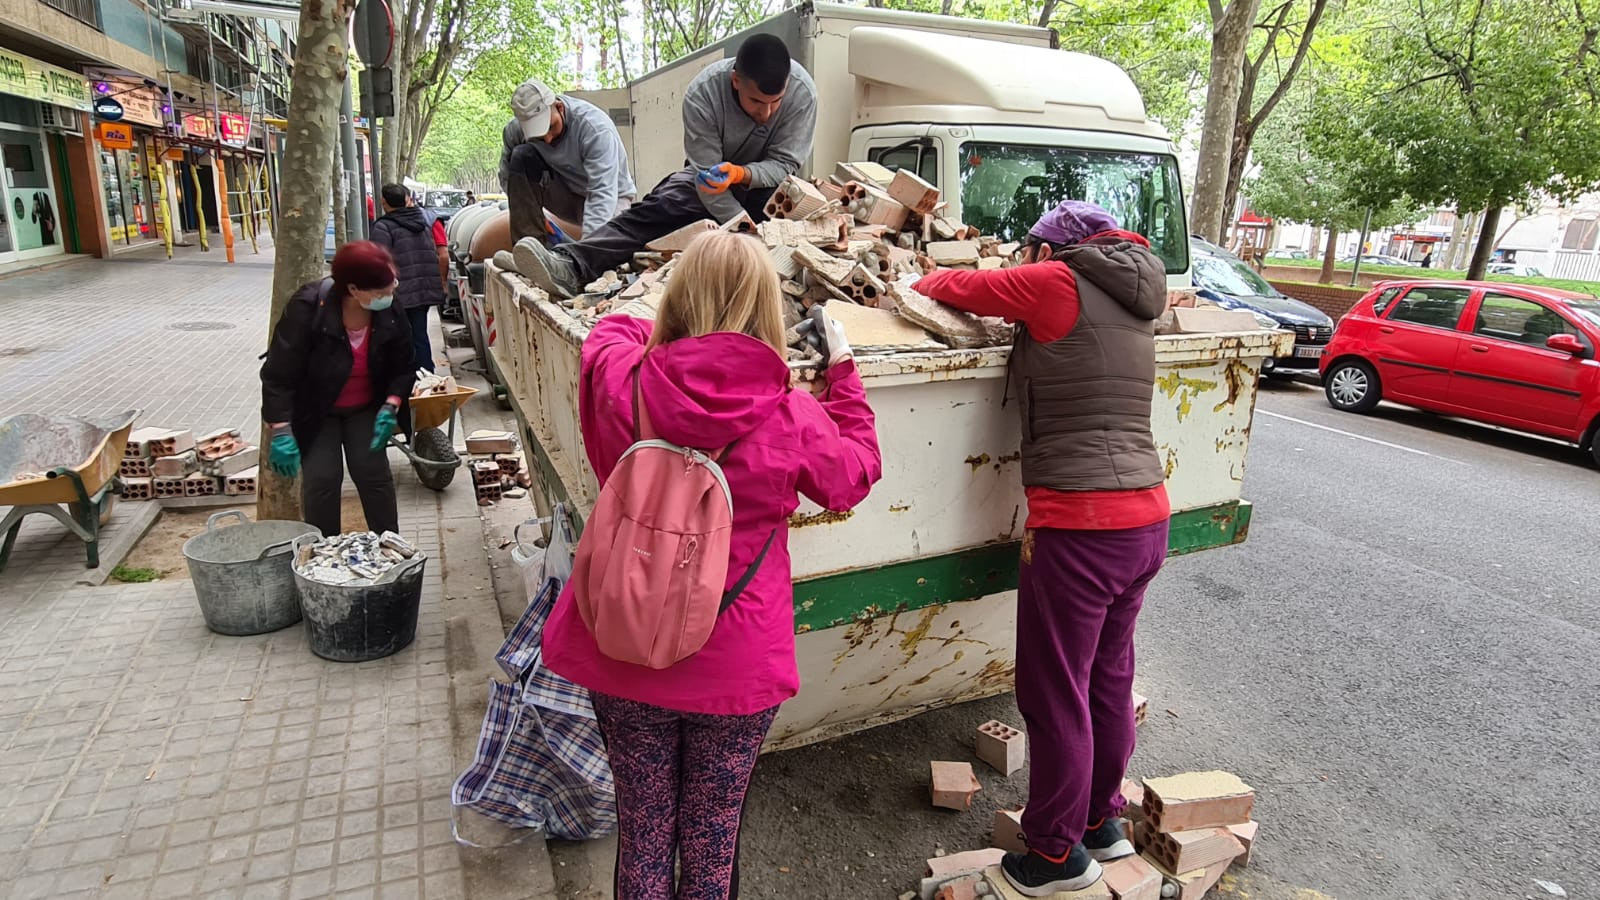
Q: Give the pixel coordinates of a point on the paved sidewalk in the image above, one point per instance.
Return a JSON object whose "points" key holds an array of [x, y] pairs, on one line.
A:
{"points": [[140, 754]]}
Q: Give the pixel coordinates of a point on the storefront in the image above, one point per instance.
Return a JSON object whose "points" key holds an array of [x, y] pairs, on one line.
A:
{"points": [[34, 96], [128, 119]]}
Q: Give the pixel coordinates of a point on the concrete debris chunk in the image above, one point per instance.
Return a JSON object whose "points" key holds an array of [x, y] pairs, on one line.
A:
{"points": [[679, 240], [959, 329], [876, 330], [831, 269], [947, 253]]}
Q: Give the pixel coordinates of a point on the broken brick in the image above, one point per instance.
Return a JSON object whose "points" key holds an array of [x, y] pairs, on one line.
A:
{"points": [[679, 240], [1132, 878], [1185, 851], [954, 785], [960, 888], [947, 253], [1000, 887], [801, 198], [176, 465], [1246, 833], [1197, 800], [970, 861], [1141, 708], [242, 483], [1007, 833], [1004, 748], [913, 193], [488, 442]]}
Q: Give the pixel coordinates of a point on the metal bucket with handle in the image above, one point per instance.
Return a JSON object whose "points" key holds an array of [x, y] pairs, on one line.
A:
{"points": [[242, 577]]}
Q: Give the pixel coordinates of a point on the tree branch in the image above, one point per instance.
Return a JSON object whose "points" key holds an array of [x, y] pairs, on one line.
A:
{"points": [[1287, 80]]}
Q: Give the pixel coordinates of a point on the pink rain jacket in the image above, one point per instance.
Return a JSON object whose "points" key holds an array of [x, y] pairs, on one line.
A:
{"points": [[705, 393]]}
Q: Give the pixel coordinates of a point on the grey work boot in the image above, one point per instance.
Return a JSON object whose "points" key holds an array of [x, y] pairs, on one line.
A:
{"points": [[504, 261], [547, 269]]}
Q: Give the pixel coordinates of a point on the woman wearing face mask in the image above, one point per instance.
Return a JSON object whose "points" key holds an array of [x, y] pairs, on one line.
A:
{"points": [[336, 380]]}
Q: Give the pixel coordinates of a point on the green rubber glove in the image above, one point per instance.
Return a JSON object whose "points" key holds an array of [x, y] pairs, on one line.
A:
{"points": [[283, 455], [383, 427]]}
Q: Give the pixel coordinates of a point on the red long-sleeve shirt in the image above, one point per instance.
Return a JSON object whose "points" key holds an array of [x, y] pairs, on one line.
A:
{"points": [[1044, 297]]}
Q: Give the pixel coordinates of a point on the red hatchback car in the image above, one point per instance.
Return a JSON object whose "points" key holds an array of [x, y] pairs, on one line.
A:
{"points": [[1517, 356]]}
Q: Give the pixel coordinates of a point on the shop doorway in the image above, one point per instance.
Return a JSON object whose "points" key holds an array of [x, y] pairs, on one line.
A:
{"points": [[30, 218]]}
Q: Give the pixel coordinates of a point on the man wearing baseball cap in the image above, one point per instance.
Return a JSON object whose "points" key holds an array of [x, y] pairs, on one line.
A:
{"points": [[748, 123], [562, 155], [1083, 368]]}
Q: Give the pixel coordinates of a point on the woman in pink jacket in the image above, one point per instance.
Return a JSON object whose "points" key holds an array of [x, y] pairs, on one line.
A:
{"points": [[683, 740]]}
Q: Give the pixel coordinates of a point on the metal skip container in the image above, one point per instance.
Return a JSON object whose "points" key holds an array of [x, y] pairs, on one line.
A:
{"points": [[241, 573]]}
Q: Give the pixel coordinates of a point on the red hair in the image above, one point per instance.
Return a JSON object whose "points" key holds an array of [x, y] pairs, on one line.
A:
{"points": [[364, 266]]}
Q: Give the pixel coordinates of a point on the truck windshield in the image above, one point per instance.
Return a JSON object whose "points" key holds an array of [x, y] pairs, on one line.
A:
{"points": [[1005, 188]]}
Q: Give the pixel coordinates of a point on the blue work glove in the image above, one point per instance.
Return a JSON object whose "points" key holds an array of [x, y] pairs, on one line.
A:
{"points": [[283, 455], [383, 426], [720, 177]]}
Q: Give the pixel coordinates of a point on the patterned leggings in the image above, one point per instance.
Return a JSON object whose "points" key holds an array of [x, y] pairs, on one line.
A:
{"points": [[681, 780]]}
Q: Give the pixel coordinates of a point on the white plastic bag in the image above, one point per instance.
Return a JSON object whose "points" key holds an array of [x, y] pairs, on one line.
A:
{"points": [[528, 554], [563, 547]]}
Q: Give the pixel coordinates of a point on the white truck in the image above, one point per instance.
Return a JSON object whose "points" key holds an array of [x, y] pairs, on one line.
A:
{"points": [[991, 113], [908, 602]]}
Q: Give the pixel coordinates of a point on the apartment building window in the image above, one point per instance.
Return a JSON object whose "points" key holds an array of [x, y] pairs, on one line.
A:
{"points": [[85, 11], [198, 61], [1581, 234]]}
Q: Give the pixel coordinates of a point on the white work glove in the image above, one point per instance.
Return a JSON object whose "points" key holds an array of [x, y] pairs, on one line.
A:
{"points": [[835, 348]]}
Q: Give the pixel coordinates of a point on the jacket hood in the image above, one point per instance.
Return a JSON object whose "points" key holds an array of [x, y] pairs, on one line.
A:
{"points": [[1120, 264], [409, 218], [708, 392]]}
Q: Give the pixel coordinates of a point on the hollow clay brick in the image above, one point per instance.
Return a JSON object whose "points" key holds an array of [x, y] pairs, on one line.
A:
{"points": [[1197, 800], [954, 784], [1004, 748]]}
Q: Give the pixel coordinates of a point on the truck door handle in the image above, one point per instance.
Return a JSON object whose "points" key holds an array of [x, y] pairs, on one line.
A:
{"points": [[1479, 348], [1386, 329]]}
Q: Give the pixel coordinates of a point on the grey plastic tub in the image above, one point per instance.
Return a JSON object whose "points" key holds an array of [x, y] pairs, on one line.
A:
{"points": [[242, 576]]}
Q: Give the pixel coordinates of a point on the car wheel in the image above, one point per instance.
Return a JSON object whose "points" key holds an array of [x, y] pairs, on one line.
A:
{"points": [[1352, 386]]}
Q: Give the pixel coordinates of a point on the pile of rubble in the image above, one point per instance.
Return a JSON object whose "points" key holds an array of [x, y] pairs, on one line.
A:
{"points": [[354, 559], [1188, 830], [857, 241], [172, 463]]}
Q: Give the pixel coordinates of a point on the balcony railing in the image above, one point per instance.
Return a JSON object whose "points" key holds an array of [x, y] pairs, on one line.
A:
{"points": [[85, 11]]}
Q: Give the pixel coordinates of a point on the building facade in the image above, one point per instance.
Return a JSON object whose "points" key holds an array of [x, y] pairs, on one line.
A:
{"points": [[125, 123]]}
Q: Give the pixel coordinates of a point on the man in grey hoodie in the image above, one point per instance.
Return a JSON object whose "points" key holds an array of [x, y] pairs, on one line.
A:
{"points": [[748, 123], [564, 155]]}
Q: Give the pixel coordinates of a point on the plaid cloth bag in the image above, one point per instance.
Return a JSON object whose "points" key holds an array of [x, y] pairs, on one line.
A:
{"points": [[541, 761]]}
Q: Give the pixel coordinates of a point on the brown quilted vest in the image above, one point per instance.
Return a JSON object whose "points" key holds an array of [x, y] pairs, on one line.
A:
{"points": [[1085, 399]]}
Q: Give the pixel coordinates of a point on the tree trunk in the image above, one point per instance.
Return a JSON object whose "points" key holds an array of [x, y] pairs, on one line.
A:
{"points": [[1230, 38], [1454, 247], [1486, 242], [1462, 252], [944, 9], [341, 224], [1326, 275], [315, 88]]}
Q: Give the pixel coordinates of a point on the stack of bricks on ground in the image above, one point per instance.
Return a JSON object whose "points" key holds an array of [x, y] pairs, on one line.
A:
{"points": [[852, 243], [168, 463], [1188, 830], [497, 470]]}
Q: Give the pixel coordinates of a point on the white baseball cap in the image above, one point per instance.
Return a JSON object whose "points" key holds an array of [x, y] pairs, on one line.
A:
{"points": [[531, 104]]}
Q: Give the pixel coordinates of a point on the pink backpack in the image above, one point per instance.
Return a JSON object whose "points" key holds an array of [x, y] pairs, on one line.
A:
{"points": [[653, 558]]}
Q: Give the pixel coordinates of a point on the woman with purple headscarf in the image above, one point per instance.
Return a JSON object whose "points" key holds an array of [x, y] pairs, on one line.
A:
{"points": [[1083, 369]]}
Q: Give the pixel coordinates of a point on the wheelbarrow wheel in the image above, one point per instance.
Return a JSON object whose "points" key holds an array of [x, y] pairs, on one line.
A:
{"points": [[432, 444]]}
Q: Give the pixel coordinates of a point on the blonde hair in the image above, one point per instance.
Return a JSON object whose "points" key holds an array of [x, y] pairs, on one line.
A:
{"points": [[722, 282]]}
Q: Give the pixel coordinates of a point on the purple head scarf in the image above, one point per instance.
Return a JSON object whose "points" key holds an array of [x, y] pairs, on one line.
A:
{"points": [[1071, 222]]}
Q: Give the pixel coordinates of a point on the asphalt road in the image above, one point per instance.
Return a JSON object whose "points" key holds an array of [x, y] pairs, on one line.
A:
{"points": [[1401, 659]]}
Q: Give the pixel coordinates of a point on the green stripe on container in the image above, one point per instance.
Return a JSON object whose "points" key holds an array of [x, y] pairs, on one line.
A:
{"points": [[834, 600]]}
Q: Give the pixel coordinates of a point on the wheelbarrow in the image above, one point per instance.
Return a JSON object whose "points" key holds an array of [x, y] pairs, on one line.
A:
{"points": [[64, 467], [432, 451]]}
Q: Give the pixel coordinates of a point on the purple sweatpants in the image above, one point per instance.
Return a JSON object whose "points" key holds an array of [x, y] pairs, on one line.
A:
{"points": [[681, 780], [1078, 596]]}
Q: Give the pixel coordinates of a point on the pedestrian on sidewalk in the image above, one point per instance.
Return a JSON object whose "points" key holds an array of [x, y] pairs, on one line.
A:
{"points": [[1083, 367], [748, 123], [416, 239], [562, 156], [710, 374], [336, 380]]}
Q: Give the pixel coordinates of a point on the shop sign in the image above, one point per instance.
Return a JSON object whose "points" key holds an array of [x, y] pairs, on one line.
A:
{"points": [[197, 126], [108, 108], [24, 76], [115, 135], [235, 129]]}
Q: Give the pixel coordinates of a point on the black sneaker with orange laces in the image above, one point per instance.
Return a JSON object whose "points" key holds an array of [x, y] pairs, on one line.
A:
{"points": [[1107, 839], [1035, 875]]}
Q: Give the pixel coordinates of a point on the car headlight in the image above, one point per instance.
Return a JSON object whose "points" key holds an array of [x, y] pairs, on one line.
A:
{"points": [[1266, 321]]}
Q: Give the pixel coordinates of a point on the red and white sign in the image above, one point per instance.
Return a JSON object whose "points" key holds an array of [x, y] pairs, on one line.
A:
{"points": [[235, 129], [201, 127]]}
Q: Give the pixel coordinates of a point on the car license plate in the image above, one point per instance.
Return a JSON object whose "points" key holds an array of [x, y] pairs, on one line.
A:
{"points": [[1308, 352]]}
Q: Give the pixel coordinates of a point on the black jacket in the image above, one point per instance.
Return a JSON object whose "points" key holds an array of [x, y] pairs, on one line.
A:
{"points": [[408, 233], [309, 361]]}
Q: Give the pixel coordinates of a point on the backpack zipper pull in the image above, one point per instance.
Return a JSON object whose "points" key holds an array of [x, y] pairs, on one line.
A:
{"points": [[688, 552]]}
